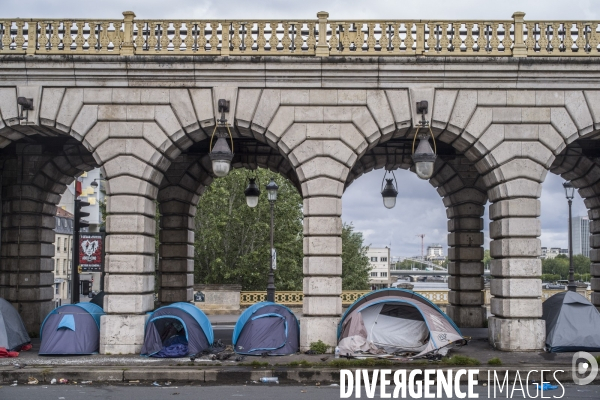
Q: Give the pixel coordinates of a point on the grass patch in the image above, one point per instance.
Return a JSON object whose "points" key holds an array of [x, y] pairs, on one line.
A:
{"points": [[494, 361], [319, 347], [255, 364], [368, 362], [303, 364], [460, 360]]}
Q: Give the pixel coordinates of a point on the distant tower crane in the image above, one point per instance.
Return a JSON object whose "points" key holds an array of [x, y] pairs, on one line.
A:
{"points": [[422, 236]]}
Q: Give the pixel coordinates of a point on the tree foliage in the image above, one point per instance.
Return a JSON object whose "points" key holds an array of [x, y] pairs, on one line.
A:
{"points": [[232, 241], [559, 266], [355, 263]]}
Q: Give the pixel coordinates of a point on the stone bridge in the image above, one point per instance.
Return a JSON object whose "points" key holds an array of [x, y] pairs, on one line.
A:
{"points": [[321, 102]]}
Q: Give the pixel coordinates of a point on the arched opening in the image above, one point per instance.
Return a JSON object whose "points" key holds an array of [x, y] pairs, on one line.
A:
{"points": [[464, 197], [35, 172], [209, 235]]}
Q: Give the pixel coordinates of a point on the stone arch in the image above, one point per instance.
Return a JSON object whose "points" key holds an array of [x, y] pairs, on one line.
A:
{"points": [[464, 195], [179, 193], [579, 164], [34, 173]]}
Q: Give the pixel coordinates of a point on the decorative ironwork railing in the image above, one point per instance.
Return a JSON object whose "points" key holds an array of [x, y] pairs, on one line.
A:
{"points": [[320, 37], [294, 298]]}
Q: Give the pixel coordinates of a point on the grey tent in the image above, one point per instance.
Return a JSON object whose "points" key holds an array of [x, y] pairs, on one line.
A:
{"points": [[397, 321], [177, 330], [12, 330], [98, 299], [572, 323], [266, 327], [71, 329]]}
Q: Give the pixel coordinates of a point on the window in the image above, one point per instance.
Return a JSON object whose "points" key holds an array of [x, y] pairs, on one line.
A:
{"points": [[56, 286], [373, 259], [384, 274], [383, 259], [374, 274], [58, 245]]}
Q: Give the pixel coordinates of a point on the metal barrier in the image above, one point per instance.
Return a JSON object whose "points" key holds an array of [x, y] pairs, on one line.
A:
{"points": [[294, 298]]}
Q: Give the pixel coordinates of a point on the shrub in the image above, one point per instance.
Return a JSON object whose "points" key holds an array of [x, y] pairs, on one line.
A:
{"points": [[495, 361], [319, 347]]}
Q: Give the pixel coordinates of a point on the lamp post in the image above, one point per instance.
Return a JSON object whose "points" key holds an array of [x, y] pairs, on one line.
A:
{"points": [[272, 197], [569, 193]]}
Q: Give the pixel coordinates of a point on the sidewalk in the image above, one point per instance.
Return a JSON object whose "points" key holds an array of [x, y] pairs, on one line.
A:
{"points": [[299, 368]]}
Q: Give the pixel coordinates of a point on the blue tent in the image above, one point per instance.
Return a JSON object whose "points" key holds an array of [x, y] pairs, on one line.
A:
{"points": [[177, 330], [266, 327], [71, 329]]}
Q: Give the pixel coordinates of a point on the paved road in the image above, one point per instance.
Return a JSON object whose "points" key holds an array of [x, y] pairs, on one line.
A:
{"points": [[254, 392], [223, 332]]}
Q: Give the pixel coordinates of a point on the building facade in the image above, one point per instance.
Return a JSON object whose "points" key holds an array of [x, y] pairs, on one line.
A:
{"points": [[94, 196], [435, 253], [63, 254], [379, 276], [581, 235]]}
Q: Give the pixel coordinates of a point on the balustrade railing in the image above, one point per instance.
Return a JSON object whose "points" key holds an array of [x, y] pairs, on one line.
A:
{"points": [[321, 37], [294, 298]]}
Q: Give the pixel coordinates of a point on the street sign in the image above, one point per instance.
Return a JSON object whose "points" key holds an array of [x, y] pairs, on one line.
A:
{"points": [[90, 252], [274, 256]]}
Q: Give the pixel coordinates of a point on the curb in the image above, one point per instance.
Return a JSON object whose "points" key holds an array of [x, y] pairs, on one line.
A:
{"points": [[246, 375]]}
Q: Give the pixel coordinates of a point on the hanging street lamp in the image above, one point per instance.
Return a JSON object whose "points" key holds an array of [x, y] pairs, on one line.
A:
{"points": [[424, 157], [569, 194], [272, 197], [389, 192], [252, 193], [221, 155]]}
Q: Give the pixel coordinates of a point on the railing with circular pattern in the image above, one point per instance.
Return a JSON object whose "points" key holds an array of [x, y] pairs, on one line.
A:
{"points": [[294, 298]]}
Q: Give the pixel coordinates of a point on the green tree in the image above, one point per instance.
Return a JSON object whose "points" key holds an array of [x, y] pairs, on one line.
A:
{"points": [[487, 259], [558, 265], [355, 263], [232, 242]]}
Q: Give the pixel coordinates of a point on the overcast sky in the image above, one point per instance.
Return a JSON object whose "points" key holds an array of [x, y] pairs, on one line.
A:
{"points": [[287, 9], [420, 209]]}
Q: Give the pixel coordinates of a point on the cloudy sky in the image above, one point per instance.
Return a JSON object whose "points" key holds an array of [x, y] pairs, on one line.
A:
{"points": [[420, 209], [263, 9]]}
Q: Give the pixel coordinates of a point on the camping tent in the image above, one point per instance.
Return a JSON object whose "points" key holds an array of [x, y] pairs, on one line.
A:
{"points": [[177, 330], [572, 323], [12, 330], [71, 329], [266, 327], [394, 321], [98, 299]]}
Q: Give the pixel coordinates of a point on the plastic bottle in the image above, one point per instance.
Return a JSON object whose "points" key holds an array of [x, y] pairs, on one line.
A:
{"points": [[337, 352], [270, 379]]}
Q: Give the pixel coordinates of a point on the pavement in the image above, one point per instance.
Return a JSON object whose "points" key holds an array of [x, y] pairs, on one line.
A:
{"points": [[250, 392], [293, 369]]}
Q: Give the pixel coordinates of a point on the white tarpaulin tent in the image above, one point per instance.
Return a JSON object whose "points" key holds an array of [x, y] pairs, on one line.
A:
{"points": [[396, 321]]}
